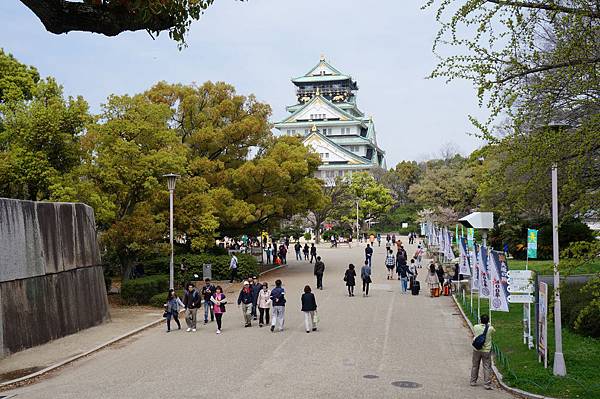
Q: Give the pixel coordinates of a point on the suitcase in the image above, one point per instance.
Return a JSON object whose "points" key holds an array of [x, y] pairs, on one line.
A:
{"points": [[436, 291], [446, 290], [416, 287]]}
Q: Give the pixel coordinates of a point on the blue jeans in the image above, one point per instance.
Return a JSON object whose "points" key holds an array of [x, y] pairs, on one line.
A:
{"points": [[207, 307], [404, 284], [298, 256], [368, 257]]}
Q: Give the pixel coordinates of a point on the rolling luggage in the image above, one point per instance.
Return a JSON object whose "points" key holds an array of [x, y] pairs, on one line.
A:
{"points": [[416, 287], [446, 289]]}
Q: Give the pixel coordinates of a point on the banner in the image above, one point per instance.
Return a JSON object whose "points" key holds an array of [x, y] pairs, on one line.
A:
{"points": [[481, 256], [470, 237], [474, 268], [532, 237], [457, 237], [499, 279], [449, 253], [463, 265]]}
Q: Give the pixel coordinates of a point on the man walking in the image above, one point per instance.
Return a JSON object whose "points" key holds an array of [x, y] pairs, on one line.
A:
{"points": [[313, 252], [207, 291], [245, 300], [298, 249], [390, 262], [233, 266], [319, 270], [483, 355], [368, 253], [256, 287], [278, 301], [191, 301]]}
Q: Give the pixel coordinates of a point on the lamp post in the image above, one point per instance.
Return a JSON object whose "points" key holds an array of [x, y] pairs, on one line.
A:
{"points": [[171, 179], [357, 225], [559, 368]]}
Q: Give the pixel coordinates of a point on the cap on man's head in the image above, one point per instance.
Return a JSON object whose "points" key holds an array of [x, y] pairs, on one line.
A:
{"points": [[246, 283]]}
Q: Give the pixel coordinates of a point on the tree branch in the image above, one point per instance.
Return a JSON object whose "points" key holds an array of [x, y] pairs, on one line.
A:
{"points": [[60, 16], [549, 67], [549, 7]]}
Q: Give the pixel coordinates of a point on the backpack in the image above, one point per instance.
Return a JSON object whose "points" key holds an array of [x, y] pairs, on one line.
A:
{"points": [[479, 341]]}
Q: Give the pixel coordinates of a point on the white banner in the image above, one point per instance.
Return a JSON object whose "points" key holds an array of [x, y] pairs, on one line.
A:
{"points": [[484, 277], [463, 265], [499, 279], [474, 267]]}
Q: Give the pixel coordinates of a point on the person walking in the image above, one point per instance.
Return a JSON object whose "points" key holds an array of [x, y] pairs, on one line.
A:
{"points": [[432, 280], [264, 305], [403, 273], [278, 300], [256, 287], [390, 263], [287, 242], [268, 252], [245, 301], [319, 270], [233, 266], [298, 249], [218, 299], [378, 239], [309, 307], [412, 269], [207, 292], [393, 239], [365, 275], [313, 252], [191, 301], [173, 306], [350, 279], [306, 251], [440, 274], [419, 256], [283, 253], [368, 253], [483, 355], [400, 260]]}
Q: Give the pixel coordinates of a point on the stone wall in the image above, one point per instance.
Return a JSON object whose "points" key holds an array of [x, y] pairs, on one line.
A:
{"points": [[51, 281]]}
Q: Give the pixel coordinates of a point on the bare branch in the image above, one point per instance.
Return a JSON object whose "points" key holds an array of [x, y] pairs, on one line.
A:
{"points": [[549, 7]]}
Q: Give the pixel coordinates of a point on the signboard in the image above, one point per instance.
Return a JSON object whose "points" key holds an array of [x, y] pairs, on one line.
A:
{"points": [[520, 281], [404, 225], [543, 323], [206, 271], [532, 237], [499, 278], [520, 298]]}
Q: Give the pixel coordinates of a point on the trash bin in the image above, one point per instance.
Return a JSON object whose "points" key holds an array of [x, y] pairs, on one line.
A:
{"points": [[207, 271]]}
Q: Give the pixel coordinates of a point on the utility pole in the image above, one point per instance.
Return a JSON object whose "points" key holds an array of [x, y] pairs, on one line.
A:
{"points": [[560, 368]]}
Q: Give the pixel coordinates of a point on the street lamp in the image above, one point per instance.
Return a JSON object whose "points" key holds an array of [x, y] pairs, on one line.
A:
{"points": [[171, 179]]}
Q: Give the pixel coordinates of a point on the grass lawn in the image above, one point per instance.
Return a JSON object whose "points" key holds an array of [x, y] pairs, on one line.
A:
{"points": [[546, 267], [520, 367]]}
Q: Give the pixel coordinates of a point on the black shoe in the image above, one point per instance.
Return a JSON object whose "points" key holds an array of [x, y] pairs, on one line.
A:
{"points": [[248, 325], [314, 328], [254, 318], [272, 328], [307, 331], [168, 331], [205, 321], [260, 325]]}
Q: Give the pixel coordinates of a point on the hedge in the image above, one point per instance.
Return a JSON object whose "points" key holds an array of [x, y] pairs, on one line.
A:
{"points": [[247, 266], [140, 290]]}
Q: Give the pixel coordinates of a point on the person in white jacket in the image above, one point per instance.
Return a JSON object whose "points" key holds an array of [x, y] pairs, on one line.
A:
{"points": [[264, 304]]}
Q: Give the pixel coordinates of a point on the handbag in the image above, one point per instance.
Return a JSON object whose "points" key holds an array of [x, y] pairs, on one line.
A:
{"points": [[316, 318], [479, 341], [166, 314]]}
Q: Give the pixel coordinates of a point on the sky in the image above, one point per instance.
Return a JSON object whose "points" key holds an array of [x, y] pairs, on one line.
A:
{"points": [[258, 46]]}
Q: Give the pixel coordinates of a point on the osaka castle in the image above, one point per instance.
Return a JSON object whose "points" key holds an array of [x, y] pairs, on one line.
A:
{"points": [[327, 116]]}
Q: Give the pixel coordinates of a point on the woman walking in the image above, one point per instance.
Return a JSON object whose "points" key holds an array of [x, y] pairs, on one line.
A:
{"points": [[440, 273], [309, 307], [264, 305], [173, 305], [433, 281], [219, 301], [365, 275], [350, 279], [305, 251]]}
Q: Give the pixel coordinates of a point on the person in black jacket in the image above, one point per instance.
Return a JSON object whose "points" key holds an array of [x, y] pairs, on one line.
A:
{"points": [[313, 253], [309, 307], [368, 253], [256, 287], [306, 251], [207, 291], [319, 270], [245, 300], [191, 301], [350, 279]]}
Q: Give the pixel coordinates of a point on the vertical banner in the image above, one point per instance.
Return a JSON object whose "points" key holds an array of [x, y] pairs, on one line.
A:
{"points": [[463, 266], [449, 252], [481, 256], [423, 229], [543, 323], [474, 268], [532, 238], [470, 238], [499, 278], [457, 236]]}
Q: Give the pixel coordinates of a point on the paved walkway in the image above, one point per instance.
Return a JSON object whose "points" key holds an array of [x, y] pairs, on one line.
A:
{"points": [[390, 336]]}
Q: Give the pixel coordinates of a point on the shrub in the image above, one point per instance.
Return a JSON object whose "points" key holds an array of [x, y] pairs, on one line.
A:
{"points": [[140, 290], [247, 265], [307, 236], [588, 322], [572, 301]]}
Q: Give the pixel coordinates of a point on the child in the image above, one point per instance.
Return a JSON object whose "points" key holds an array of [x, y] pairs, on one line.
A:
{"points": [[349, 278]]}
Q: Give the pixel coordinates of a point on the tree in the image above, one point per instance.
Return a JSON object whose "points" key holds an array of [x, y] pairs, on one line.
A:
{"points": [[17, 80], [39, 135], [399, 180], [111, 17], [336, 201], [373, 198]]}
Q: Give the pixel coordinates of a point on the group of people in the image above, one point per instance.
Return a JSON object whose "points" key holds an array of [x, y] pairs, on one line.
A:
{"points": [[255, 299]]}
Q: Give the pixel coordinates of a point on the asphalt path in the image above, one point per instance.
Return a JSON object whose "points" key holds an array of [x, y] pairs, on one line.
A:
{"points": [[376, 346]]}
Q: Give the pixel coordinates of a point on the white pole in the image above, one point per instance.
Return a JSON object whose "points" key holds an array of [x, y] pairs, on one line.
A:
{"points": [[171, 268], [357, 225], [560, 368]]}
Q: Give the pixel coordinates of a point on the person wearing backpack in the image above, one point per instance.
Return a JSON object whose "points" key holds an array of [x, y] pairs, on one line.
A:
{"points": [[482, 351], [233, 266]]}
